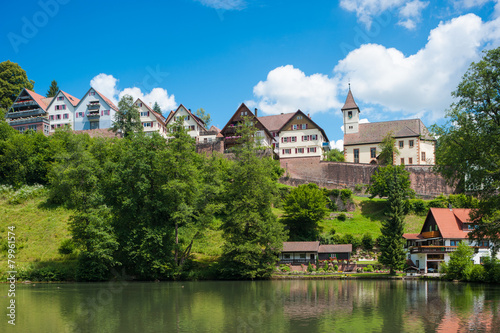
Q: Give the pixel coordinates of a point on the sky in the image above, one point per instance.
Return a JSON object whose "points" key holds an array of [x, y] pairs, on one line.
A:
{"points": [[402, 59]]}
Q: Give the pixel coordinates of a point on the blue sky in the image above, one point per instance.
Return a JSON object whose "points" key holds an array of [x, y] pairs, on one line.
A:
{"points": [[402, 58]]}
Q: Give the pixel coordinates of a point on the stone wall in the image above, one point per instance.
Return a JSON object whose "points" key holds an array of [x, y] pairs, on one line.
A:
{"points": [[332, 175], [210, 147]]}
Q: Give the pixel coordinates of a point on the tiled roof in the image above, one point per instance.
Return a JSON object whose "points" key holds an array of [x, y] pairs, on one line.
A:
{"points": [[274, 123], [98, 133], [300, 246], [349, 102], [108, 101], [158, 116], [375, 132], [72, 99], [338, 248], [299, 112], [196, 119], [448, 223], [38, 98], [412, 236]]}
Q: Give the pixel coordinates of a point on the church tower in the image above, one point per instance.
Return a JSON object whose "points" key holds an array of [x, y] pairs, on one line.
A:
{"points": [[351, 114]]}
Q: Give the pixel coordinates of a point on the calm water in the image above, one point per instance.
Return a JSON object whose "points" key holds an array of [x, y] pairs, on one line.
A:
{"points": [[262, 306]]}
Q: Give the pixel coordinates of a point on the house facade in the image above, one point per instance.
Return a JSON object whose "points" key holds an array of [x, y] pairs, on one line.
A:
{"points": [[230, 131], [296, 135], [61, 110], [194, 125], [310, 252], [151, 121], [94, 111], [440, 235], [29, 112], [362, 140]]}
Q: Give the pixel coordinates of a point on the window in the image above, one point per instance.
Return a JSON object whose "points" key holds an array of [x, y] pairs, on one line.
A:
{"points": [[294, 127], [294, 138], [275, 134], [277, 145], [148, 124], [58, 116], [58, 125], [299, 151], [402, 160], [484, 243], [299, 117], [145, 114], [410, 143], [66, 116], [60, 107], [373, 152], [311, 150], [401, 144], [423, 156], [60, 98], [32, 127], [410, 160], [350, 127], [302, 256], [94, 125], [243, 113], [284, 140], [303, 126], [139, 104], [287, 151], [188, 117], [305, 138], [314, 137], [51, 117], [349, 114], [92, 93], [356, 155], [52, 126], [454, 242], [286, 256], [21, 129], [105, 113]]}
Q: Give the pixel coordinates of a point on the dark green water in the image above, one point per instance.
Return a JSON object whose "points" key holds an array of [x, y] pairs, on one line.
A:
{"points": [[262, 306]]}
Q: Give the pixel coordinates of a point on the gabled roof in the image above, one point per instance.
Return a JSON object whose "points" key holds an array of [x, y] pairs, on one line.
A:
{"points": [[158, 116], [241, 108], [300, 246], [412, 236], [39, 99], [309, 119], [274, 123], [449, 221], [338, 248], [375, 132], [349, 102], [72, 99], [111, 105], [196, 119]]}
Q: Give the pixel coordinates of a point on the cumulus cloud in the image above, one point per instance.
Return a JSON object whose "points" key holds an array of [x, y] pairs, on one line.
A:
{"points": [[107, 85], [287, 89], [339, 144], [224, 4], [420, 82], [410, 13]]}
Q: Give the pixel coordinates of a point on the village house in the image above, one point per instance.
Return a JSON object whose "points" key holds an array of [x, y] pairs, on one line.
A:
{"points": [[296, 135], [94, 111], [310, 252], [193, 124], [151, 121], [443, 230], [230, 131], [29, 112], [61, 110], [362, 140]]}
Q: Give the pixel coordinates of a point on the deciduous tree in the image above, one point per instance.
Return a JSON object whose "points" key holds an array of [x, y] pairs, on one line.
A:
{"points": [[335, 155], [388, 150], [384, 178], [127, 118], [12, 80], [204, 116]]}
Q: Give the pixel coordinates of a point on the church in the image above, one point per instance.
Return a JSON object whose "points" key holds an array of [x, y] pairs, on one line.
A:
{"points": [[415, 143]]}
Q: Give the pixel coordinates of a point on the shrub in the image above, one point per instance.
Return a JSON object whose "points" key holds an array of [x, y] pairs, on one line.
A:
{"points": [[476, 274], [345, 195], [310, 268], [67, 246], [341, 217], [335, 192], [336, 268], [325, 266], [367, 242], [358, 187], [285, 268], [419, 207], [437, 203], [22, 194], [369, 268]]}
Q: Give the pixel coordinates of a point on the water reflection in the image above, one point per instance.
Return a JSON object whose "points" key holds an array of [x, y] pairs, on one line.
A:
{"points": [[259, 306]]}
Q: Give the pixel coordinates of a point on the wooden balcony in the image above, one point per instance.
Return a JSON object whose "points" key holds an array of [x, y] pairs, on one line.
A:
{"points": [[25, 113], [431, 234]]}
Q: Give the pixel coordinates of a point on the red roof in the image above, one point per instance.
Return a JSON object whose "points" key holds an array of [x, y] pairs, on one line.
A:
{"points": [[158, 116], [111, 105], [449, 221], [412, 236], [274, 123], [349, 102], [72, 99], [38, 98]]}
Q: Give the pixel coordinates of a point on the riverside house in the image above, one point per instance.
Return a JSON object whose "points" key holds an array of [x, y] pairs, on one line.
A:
{"points": [[310, 252], [443, 230]]}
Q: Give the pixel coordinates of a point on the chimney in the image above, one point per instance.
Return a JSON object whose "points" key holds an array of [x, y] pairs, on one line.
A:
{"points": [[309, 116], [255, 112]]}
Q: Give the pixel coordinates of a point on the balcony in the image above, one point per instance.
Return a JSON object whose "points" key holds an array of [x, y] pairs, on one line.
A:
{"points": [[19, 104], [24, 114], [32, 120], [93, 106], [431, 234], [433, 249], [297, 261], [93, 115]]}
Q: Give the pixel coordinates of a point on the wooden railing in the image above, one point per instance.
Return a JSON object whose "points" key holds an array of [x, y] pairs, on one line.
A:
{"points": [[431, 234], [297, 261]]}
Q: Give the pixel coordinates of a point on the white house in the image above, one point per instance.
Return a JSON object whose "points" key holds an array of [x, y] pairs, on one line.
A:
{"points": [[194, 125], [443, 230], [151, 121], [61, 110], [362, 140], [29, 112], [296, 135], [94, 111]]}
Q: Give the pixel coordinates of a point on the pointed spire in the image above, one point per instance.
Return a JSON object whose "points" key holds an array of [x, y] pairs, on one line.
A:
{"points": [[349, 102]]}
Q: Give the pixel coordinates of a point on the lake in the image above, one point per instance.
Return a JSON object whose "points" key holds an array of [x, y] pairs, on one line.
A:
{"points": [[255, 306]]}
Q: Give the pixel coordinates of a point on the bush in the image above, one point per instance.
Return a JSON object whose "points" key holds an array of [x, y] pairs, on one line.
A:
{"points": [[345, 195], [335, 193], [367, 242], [325, 266], [285, 268], [310, 268], [476, 274], [437, 203], [419, 207], [358, 187], [336, 268], [368, 268], [341, 217], [22, 194], [67, 247]]}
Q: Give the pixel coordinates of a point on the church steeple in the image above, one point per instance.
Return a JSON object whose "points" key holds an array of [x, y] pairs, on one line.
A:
{"points": [[351, 114]]}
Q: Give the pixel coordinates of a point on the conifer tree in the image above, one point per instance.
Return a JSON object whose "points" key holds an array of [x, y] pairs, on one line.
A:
{"points": [[53, 89], [156, 108], [391, 242]]}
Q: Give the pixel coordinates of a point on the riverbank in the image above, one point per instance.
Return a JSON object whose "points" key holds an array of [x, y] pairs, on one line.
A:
{"points": [[353, 276]]}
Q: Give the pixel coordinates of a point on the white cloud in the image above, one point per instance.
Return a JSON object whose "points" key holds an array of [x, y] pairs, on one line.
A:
{"points": [[367, 9], [422, 81], [287, 89], [224, 4], [339, 144], [467, 4], [107, 85], [410, 13]]}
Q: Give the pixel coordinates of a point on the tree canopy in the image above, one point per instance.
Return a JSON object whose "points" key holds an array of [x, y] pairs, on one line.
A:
{"points": [[12, 80], [335, 155], [468, 148], [388, 150], [156, 108], [127, 118], [304, 207], [53, 89], [385, 177], [204, 116]]}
